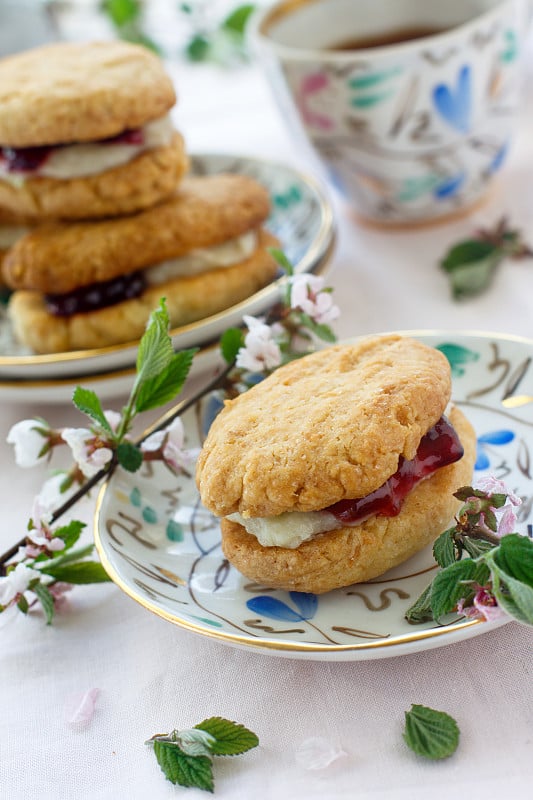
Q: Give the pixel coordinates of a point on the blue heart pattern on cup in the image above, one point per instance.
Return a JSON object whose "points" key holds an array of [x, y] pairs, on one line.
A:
{"points": [[454, 104]]}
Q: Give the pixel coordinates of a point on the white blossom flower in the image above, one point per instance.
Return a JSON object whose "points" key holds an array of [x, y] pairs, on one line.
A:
{"points": [[114, 419], [307, 294], [16, 582], [51, 497], [172, 440], [89, 453], [25, 436], [260, 350]]}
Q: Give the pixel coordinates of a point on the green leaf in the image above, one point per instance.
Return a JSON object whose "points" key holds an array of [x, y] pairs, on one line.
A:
{"points": [[444, 551], [22, 604], [231, 738], [129, 456], [320, 330], [231, 342], [182, 769], [198, 48], [476, 547], [80, 572], [162, 388], [46, 600], [69, 533], [421, 611], [447, 589], [70, 556], [237, 20], [467, 252], [515, 557], [155, 348], [279, 256], [88, 403], [429, 733], [515, 598], [474, 278], [121, 12]]}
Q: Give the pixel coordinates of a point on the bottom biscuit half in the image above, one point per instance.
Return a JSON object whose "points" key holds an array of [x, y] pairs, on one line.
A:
{"points": [[188, 299], [359, 553]]}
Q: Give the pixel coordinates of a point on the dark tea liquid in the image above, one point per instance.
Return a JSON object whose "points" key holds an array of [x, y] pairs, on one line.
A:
{"points": [[386, 38]]}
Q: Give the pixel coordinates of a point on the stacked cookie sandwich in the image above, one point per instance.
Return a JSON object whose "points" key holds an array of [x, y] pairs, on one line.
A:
{"points": [[339, 466], [89, 153]]}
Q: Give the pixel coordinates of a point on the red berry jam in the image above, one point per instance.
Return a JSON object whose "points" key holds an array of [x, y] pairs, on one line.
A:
{"points": [[24, 159], [133, 136], [439, 447], [97, 295]]}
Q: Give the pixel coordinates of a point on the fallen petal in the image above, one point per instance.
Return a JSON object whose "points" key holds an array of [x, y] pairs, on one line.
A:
{"points": [[317, 753], [80, 708]]}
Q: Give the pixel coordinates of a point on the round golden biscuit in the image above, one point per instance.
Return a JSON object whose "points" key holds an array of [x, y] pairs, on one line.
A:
{"points": [[362, 552], [326, 427], [80, 92], [147, 179], [188, 299], [205, 211]]}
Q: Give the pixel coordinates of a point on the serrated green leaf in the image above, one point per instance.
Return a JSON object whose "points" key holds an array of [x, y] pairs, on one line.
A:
{"points": [[69, 533], [155, 348], [164, 387], [513, 596], [467, 252], [231, 738], [78, 573], [444, 550], [515, 557], [231, 342], [129, 456], [429, 733], [420, 611], [476, 547], [447, 587], [89, 404], [182, 769], [46, 600]]}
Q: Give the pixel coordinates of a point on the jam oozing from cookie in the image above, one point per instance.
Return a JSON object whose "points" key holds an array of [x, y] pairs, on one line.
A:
{"points": [[439, 447], [31, 159], [97, 295]]}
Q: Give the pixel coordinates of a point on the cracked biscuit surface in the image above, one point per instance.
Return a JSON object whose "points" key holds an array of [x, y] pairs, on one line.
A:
{"points": [[323, 428], [358, 553], [205, 211], [80, 92]]}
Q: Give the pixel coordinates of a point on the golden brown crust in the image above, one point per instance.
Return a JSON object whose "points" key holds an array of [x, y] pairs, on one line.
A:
{"points": [[147, 179], [79, 92], [205, 211], [188, 299], [360, 553], [323, 428]]}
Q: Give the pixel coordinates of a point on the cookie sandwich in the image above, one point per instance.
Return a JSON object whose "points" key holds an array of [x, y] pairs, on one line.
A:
{"points": [[12, 228], [90, 284], [338, 466], [85, 131]]}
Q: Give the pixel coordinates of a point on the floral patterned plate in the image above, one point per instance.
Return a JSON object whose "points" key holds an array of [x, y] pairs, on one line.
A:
{"points": [[162, 547], [301, 218]]}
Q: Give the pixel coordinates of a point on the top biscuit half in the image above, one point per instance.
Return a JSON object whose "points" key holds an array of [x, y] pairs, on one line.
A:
{"points": [[328, 427], [80, 92]]}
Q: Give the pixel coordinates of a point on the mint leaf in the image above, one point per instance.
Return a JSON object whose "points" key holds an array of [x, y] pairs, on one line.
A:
{"points": [[46, 600], [129, 456], [231, 739], [182, 769], [514, 557], [514, 597], [429, 733], [476, 547], [447, 587], [444, 551], [231, 342], [420, 611], [155, 348], [162, 388], [88, 403], [78, 573]]}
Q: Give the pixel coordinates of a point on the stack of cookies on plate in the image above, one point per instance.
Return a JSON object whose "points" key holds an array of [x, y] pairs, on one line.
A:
{"points": [[94, 188]]}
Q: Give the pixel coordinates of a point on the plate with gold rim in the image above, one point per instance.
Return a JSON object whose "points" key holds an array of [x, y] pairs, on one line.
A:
{"points": [[301, 218], [162, 547]]}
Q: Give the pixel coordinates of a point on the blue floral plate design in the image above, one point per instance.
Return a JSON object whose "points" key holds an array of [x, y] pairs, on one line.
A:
{"points": [[162, 547]]}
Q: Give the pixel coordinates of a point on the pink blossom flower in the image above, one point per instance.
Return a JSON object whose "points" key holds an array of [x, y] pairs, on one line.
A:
{"points": [[58, 591], [308, 294], [505, 515], [89, 451], [16, 582], [484, 606], [260, 351], [171, 442], [28, 441]]}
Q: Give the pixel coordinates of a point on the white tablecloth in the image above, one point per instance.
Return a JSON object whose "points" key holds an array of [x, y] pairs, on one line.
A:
{"points": [[154, 677]]}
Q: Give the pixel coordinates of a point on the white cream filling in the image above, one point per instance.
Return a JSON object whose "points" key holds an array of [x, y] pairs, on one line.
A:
{"points": [[289, 529], [91, 158], [203, 259], [9, 234]]}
